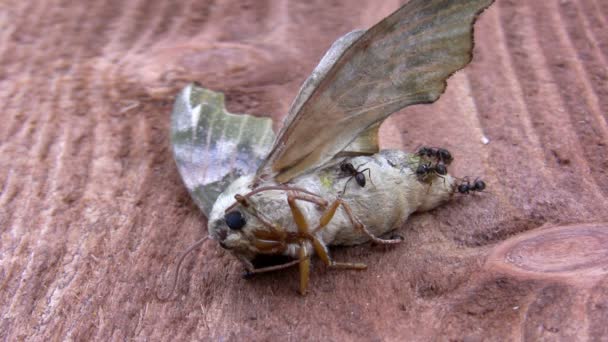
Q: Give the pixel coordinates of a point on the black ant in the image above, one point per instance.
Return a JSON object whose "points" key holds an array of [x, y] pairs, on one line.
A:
{"points": [[465, 187], [359, 177], [443, 157], [424, 170], [441, 154]]}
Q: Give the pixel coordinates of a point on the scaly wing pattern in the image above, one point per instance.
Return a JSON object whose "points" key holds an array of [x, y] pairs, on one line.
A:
{"points": [[405, 59], [212, 147]]}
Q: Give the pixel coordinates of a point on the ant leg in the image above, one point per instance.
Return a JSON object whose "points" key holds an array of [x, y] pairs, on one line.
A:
{"points": [[345, 184], [443, 180], [440, 176], [428, 190]]}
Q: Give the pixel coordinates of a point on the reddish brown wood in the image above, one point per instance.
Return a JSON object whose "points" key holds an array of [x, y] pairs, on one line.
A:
{"points": [[93, 214]]}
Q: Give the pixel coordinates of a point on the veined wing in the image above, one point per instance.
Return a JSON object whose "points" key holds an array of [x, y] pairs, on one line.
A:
{"points": [[213, 147], [405, 59]]}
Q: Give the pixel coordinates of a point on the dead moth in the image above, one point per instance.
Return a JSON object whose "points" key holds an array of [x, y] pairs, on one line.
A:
{"points": [[288, 197]]}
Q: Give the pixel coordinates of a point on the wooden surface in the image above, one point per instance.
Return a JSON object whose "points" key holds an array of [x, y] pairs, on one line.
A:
{"points": [[93, 213]]}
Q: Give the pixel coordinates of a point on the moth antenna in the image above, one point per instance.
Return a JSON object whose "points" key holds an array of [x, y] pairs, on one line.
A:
{"points": [[243, 198], [179, 265]]}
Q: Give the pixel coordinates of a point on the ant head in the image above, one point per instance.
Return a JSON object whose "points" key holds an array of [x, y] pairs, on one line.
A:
{"points": [[347, 167], [463, 188], [422, 169]]}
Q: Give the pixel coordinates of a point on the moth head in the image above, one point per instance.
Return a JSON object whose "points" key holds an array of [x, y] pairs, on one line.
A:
{"points": [[231, 225], [233, 221]]}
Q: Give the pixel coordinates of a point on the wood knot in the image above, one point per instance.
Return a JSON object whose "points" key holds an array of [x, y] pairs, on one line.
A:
{"points": [[574, 252]]}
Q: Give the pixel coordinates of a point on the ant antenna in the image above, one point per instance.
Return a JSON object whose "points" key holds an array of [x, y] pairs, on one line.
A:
{"points": [[179, 265]]}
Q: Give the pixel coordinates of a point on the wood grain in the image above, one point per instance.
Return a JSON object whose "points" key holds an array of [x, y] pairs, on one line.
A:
{"points": [[93, 213]]}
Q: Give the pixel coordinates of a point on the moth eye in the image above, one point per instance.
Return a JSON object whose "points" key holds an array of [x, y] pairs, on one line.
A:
{"points": [[235, 220]]}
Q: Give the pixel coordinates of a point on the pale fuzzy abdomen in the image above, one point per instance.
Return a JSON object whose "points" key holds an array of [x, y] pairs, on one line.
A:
{"points": [[390, 195], [388, 198]]}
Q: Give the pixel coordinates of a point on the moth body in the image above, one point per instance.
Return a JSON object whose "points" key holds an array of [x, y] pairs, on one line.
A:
{"points": [[384, 204]]}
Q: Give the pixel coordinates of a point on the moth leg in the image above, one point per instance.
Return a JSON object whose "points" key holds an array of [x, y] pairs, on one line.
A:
{"points": [[297, 214], [273, 241], [304, 269], [253, 270], [304, 197], [304, 257], [303, 230], [320, 248], [355, 222], [323, 254]]}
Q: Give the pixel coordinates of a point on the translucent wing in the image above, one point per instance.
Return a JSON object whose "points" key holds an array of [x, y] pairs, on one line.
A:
{"points": [[213, 147], [403, 60]]}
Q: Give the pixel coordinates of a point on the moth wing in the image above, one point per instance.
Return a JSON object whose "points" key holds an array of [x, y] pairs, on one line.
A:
{"points": [[367, 142], [405, 59], [213, 147]]}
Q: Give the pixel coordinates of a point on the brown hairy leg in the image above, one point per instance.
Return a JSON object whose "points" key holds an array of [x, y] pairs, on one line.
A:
{"points": [[304, 256], [320, 248], [276, 240], [273, 268]]}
